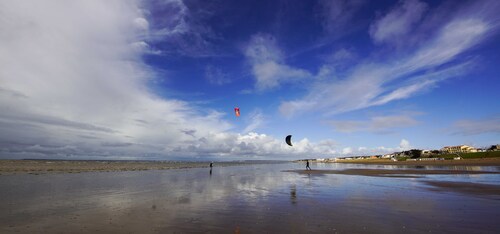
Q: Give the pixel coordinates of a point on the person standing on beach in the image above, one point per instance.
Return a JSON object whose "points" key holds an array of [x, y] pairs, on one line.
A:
{"points": [[307, 165]]}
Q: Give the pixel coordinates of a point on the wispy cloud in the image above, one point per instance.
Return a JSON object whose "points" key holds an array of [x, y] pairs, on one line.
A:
{"points": [[477, 126], [337, 16], [255, 120], [376, 124], [373, 82], [179, 30], [268, 65], [216, 76], [398, 22]]}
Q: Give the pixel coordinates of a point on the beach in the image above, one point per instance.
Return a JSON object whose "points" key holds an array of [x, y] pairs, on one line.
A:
{"points": [[78, 166], [464, 162], [249, 198]]}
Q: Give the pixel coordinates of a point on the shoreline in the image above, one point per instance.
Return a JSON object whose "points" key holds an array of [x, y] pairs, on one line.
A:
{"points": [[9, 167], [463, 162], [35, 167], [413, 173], [446, 186]]}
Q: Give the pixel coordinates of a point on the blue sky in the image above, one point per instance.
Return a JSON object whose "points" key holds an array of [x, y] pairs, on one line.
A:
{"points": [[160, 79]]}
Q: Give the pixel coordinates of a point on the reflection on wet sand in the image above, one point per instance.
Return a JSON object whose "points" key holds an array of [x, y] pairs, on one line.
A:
{"points": [[293, 194], [248, 199], [465, 187], [392, 172]]}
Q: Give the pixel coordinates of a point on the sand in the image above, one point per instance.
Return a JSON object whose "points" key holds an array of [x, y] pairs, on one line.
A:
{"points": [[464, 187], [461, 187], [245, 199], [392, 172], [463, 162], [8, 167]]}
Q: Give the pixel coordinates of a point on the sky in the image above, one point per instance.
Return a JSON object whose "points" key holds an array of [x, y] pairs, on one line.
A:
{"points": [[159, 79]]}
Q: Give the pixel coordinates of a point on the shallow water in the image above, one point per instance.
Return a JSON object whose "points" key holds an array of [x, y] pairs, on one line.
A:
{"points": [[248, 199]]}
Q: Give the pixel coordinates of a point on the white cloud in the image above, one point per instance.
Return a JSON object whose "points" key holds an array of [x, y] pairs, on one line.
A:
{"points": [[454, 38], [348, 126], [404, 145], [255, 119], [373, 82], [255, 145], [479, 126], [398, 22], [347, 150], [141, 24], [175, 21], [379, 150], [342, 55], [268, 65], [73, 83], [376, 124], [337, 16], [183, 31], [216, 76]]}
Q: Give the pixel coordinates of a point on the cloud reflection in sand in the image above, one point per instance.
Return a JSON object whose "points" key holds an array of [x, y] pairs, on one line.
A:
{"points": [[251, 198]]}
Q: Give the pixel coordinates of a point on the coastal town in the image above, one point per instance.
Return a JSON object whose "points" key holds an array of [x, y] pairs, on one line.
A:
{"points": [[458, 152]]}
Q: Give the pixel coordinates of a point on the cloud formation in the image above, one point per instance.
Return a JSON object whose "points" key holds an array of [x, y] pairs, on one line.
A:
{"points": [[380, 150], [398, 22], [181, 31], [376, 124], [337, 15], [479, 126], [377, 82], [73, 84], [216, 76], [268, 65]]}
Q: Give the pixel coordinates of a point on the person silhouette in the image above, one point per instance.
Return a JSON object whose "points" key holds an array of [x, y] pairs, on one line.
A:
{"points": [[307, 165]]}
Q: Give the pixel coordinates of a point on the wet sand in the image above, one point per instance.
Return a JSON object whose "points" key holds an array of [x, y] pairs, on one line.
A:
{"points": [[392, 172], [462, 187], [465, 187], [257, 198], [463, 162], [76, 166], [8, 167]]}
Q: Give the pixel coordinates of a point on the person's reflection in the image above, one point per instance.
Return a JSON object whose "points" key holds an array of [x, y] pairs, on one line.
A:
{"points": [[293, 194], [210, 171]]}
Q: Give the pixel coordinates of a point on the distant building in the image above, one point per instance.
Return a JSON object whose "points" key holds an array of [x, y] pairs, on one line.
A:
{"points": [[458, 149], [388, 155], [426, 152], [494, 148]]}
